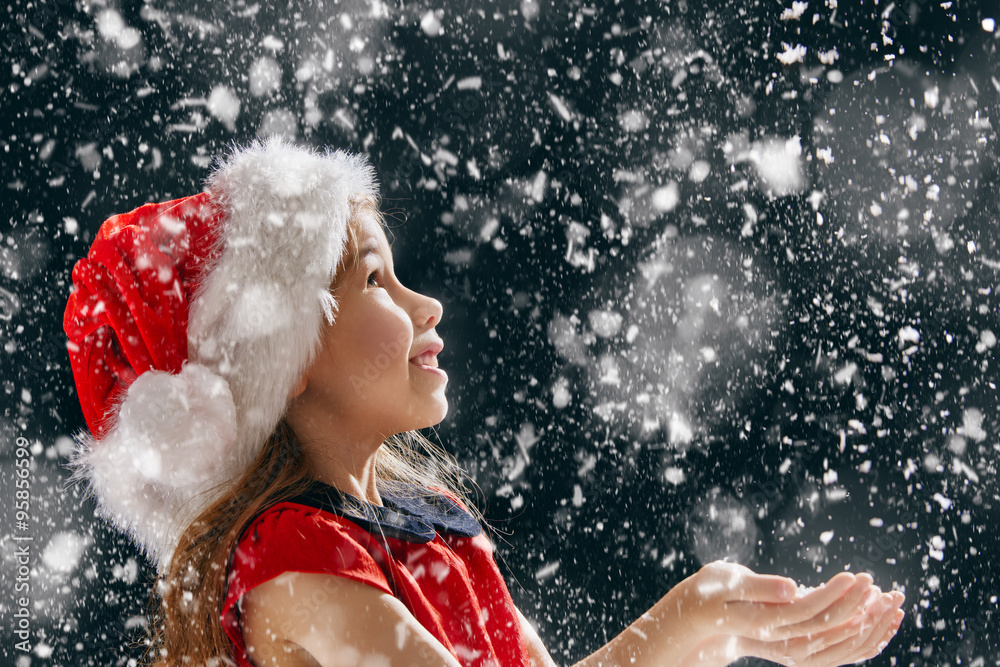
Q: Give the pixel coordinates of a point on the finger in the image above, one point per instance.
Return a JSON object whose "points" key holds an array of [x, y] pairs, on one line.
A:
{"points": [[839, 579], [862, 627], [896, 620], [731, 582], [767, 588], [866, 635], [865, 577], [803, 649], [848, 605], [872, 646], [846, 644], [812, 604], [779, 622]]}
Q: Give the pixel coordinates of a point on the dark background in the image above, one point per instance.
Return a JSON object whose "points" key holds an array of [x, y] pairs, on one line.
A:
{"points": [[699, 302]]}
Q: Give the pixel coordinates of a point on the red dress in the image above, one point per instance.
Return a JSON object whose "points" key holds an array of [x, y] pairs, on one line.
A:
{"points": [[426, 551]]}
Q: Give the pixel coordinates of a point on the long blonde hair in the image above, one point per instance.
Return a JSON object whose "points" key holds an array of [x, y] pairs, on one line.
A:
{"points": [[186, 604]]}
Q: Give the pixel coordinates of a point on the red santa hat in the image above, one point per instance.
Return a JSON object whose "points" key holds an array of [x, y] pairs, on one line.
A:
{"points": [[190, 322]]}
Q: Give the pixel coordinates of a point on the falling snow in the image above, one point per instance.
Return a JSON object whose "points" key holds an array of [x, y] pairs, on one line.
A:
{"points": [[718, 281]]}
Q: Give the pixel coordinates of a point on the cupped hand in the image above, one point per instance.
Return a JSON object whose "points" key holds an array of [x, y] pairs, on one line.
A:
{"points": [[862, 636], [740, 613], [732, 599]]}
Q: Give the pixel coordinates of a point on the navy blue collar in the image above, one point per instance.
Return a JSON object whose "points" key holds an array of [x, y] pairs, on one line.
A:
{"points": [[410, 512]]}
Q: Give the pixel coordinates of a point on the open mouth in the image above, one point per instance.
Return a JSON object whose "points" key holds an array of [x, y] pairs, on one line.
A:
{"points": [[428, 362], [428, 359], [428, 354]]}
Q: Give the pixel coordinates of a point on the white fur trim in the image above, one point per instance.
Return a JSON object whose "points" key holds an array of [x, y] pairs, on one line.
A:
{"points": [[166, 449], [258, 316], [254, 326], [180, 428]]}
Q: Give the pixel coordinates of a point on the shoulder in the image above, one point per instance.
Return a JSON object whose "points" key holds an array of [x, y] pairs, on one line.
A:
{"points": [[294, 537], [332, 620], [289, 537], [284, 529]]}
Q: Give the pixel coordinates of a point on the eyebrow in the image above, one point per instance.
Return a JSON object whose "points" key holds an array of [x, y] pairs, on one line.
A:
{"points": [[371, 248]]}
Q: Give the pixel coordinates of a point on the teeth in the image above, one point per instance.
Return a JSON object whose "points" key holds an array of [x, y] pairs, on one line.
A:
{"points": [[427, 360]]}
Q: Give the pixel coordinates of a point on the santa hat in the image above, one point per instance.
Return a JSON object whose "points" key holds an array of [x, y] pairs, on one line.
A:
{"points": [[191, 321]]}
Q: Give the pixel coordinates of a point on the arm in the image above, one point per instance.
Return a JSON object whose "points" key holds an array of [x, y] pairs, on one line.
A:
{"points": [[536, 649], [725, 612], [712, 618], [305, 619]]}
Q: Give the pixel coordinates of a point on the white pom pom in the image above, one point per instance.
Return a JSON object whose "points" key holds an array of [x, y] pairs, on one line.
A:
{"points": [[179, 429]]}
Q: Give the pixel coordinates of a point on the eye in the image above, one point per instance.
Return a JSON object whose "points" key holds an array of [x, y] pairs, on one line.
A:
{"points": [[373, 279]]}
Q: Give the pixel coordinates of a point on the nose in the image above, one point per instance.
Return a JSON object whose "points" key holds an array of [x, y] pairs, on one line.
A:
{"points": [[428, 311]]}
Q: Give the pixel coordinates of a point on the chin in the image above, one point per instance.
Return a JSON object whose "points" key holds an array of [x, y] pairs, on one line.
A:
{"points": [[426, 416], [436, 416], [439, 416]]}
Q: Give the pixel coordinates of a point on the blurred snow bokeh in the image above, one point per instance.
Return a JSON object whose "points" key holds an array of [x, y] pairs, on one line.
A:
{"points": [[719, 281], [901, 151]]}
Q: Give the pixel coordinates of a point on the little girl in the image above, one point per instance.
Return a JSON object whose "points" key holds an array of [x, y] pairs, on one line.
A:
{"points": [[253, 376]]}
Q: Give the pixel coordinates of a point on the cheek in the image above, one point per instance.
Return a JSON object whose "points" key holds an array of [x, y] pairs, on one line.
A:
{"points": [[384, 339]]}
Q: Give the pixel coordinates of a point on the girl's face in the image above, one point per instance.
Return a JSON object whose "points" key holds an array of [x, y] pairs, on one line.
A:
{"points": [[376, 373]]}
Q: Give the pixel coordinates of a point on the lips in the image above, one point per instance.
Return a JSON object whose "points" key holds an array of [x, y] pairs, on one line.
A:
{"points": [[428, 354]]}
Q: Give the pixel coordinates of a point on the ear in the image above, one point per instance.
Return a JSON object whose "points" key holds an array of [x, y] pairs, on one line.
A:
{"points": [[299, 387]]}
